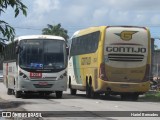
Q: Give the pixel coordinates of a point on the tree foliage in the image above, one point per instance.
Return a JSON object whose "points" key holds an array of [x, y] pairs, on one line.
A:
{"points": [[55, 30], [7, 32], [155, 47]]}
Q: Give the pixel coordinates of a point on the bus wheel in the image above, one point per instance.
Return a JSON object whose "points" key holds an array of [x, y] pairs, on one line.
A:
{"points": [[88, 90], [59, 94], [9, 91], [73, 91], [18, 94]]}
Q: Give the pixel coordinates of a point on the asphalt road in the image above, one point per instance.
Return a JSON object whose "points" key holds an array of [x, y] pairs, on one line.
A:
{"points": [[77, 105]]}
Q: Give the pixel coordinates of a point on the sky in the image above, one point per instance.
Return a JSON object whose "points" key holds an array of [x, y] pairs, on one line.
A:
{"points": [[78, 14]]}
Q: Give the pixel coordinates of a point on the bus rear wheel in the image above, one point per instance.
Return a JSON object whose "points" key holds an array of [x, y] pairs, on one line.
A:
{"points": [[59, 94], [73, 91]]}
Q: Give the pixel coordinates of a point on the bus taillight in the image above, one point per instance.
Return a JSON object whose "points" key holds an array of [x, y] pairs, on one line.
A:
{"points": [[147, 74], [102, 72]]}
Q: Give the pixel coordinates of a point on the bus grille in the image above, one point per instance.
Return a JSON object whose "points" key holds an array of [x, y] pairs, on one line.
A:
{"points": [[43, 86], [126, 57]]}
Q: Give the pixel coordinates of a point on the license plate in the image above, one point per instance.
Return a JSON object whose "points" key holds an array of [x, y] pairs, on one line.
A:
{"points": [[35, 75], [43, 83]]}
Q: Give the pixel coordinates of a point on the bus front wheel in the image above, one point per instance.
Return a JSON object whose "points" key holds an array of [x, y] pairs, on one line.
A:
{"points": [[18, 94], [73, 91], [59, 94]]}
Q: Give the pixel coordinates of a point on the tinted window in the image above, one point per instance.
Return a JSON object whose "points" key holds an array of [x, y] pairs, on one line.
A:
{"points": [[9, 52], [85, 44], [42, 54]]}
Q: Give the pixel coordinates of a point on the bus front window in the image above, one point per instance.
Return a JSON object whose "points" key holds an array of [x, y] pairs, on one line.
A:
{"points": [[42, 54], [53, 55]]}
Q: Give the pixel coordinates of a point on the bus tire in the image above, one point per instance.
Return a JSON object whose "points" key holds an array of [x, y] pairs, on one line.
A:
{"points": [[59, 94], [88, 90], [73, 91], [9, 91], [69, 83], [18, 94]]}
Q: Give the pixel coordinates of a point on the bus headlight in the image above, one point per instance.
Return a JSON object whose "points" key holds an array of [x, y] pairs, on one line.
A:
{"points": [[63, 75], [23, 75]]}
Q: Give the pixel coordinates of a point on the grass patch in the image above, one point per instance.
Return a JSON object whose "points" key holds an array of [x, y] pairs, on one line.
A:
{"points": [[155, 96]]}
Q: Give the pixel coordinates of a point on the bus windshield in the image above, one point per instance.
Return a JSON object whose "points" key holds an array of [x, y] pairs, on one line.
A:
{"points": [[42, 54]]}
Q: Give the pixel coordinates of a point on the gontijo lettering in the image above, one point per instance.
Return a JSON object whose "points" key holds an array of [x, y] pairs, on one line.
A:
{"points": [[86, 61]]}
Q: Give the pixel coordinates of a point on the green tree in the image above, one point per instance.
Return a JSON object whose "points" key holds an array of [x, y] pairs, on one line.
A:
{"points": [[155, 47], [55, 30], [7, 32]]}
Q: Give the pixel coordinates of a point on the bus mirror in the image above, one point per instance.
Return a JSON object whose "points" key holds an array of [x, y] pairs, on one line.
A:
{"points": [[67, 50], [17, 49]]}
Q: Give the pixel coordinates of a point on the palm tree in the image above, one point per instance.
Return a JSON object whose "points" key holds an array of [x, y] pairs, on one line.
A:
{"points": [[55, 30]]}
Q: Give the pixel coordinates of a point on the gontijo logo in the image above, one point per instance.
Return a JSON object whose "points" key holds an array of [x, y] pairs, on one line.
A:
{"points": [[126, 35]]}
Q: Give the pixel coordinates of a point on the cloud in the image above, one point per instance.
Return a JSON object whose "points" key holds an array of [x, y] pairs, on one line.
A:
{"points": [[85, 13], [42, 7], [155, 20], [39, 12], [100, 15], [132, 5], [77, 14]]}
